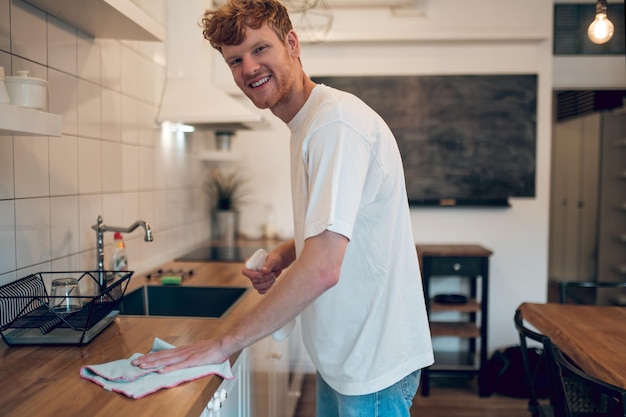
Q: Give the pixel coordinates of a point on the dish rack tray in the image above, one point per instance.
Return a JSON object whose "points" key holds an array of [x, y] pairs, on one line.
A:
{"points": [[25, 304]]}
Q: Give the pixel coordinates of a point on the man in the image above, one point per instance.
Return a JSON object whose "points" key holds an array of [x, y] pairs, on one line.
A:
{"points": [[353, 273]]}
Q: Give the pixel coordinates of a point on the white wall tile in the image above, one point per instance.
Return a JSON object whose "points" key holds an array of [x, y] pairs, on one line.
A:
{"points": [[147, 129], [7, 278], [88, 58], [111, 167], [5, 25], [63, 98], [7, 189], [130, 120], [130, 62], [146, 169], [145, 206], [89, 109], [31, 170], [28, 32], [64, 226], [5, 61], [111, 64], [32, 231], [63, 165], [112, 214], [130, 168], [62, 46], [89, 166], [111, 115], [145, 79], [7, 236], [131, 213], [89, 207]]}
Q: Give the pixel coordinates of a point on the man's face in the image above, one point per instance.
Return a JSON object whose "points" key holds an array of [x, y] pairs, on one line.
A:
{"points": [[263, 67]]}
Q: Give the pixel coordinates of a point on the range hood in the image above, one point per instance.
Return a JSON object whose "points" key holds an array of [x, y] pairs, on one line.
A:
{"points": [[189, 96]]}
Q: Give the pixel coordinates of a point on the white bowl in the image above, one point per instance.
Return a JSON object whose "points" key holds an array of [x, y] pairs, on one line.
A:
{"points": [[25, 91]]}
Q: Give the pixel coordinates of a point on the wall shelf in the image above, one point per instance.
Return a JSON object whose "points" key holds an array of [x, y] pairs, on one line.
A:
{"points": [[108, 19], [19, 121], [219, 156]]}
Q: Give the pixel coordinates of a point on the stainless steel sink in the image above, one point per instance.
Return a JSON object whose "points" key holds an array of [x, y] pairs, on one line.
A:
{"points": [[175, 301]]}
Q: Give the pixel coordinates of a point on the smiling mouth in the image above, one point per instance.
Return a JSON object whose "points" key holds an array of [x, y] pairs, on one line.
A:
{"points": [[260, 82]]}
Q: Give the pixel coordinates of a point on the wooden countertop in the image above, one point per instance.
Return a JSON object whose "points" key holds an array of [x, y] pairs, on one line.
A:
{"points": [[452, 250], [45, 381], [593, 336]]}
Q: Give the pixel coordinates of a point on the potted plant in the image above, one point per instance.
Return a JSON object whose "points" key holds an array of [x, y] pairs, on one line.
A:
{"points": [[225, 191]]}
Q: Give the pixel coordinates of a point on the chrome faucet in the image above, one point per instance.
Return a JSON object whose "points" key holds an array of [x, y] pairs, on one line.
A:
{"points": [[100, 228]]}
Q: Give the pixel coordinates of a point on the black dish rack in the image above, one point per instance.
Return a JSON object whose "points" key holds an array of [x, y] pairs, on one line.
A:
{"points": [[28, 318]]}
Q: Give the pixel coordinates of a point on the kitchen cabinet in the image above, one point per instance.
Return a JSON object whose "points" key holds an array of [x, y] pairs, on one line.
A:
{"points": [[470, 263], [574, 199], [108, 19], [588, 205], [612, 207], [231, 397], [276, 376], [20, 121]]}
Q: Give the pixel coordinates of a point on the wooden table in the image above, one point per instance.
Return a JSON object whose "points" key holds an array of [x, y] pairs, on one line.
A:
{"points": [[593, 336]]}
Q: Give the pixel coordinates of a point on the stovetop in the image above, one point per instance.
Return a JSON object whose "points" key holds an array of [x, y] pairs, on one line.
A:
{"points": [[214, 253]]}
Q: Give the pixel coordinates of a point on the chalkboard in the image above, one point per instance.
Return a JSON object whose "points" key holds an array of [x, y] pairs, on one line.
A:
{"points": [[464, 140]]}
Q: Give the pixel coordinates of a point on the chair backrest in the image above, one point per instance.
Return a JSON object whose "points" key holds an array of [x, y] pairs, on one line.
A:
{"points": [[583, 395], [568, 293], [531, 370]]}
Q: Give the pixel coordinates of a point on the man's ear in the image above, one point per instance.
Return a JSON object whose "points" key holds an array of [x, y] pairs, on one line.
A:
{"points": [[293, 43]]}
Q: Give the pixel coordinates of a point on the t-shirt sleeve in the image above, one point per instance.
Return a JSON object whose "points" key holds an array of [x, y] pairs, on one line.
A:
{"points": [[337, 160]]}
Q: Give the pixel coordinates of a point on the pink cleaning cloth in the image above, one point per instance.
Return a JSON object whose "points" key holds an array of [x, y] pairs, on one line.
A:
{"points": [[123, 377]]}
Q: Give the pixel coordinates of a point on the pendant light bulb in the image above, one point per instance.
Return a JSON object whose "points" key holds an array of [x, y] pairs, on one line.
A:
{"points": [[601, 29]]}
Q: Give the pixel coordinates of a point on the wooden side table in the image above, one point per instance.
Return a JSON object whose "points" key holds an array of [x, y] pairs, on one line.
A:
{"points": [[467, 261]]}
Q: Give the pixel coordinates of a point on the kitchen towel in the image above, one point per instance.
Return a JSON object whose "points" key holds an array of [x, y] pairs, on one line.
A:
{"points": [[123, 377]]}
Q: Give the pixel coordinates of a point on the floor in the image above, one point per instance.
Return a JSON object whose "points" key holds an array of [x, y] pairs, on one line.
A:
{"points": [[448, 398]]}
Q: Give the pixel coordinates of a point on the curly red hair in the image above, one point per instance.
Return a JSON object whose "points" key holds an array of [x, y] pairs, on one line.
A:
{"points": [[226, 25]]}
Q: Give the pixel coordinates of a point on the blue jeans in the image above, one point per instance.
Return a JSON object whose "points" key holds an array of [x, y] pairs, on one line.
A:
{"points": [[394, 401]]}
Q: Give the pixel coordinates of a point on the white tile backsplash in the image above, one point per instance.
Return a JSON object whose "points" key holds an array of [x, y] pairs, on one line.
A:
{"points": [[88, 58], [28, 32], [130, 62], [62, 99], [63, 166], [110, 161], [5, 25], [111, 115], [7, 236], [130, 168], [31, 167], [130, 120], [62, 46], [111, 64], [90, 206], [89, 109], [111, 167], [64, 226], [32, 231], [7, 184], [89, 166]]}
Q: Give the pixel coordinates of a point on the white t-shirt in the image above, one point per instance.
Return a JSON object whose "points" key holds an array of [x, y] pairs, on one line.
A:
{"points": [[371, 329]]}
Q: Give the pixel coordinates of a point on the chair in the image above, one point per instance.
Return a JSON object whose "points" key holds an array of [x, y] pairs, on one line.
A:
{"points": [[533, 377], [568, 293], [581, 395]]}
